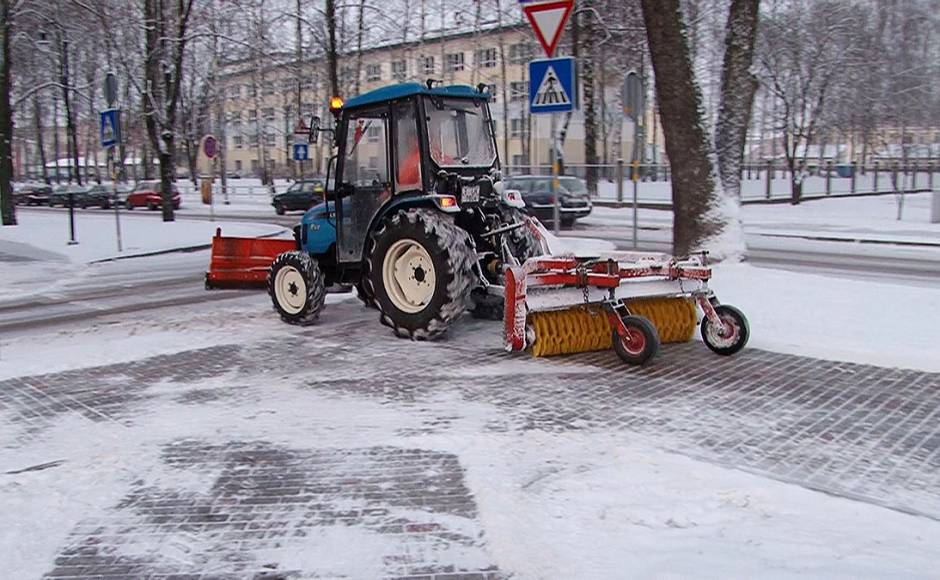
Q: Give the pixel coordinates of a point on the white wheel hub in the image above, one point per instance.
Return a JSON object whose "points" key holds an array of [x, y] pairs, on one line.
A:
{"points": [[290, 288], [408, 275]]}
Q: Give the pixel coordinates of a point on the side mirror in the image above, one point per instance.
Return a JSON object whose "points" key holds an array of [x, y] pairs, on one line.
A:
{"points": [[314, 137]]}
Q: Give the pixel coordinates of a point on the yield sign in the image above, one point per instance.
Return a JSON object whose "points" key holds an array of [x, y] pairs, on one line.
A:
{"points": [[548, 20]]}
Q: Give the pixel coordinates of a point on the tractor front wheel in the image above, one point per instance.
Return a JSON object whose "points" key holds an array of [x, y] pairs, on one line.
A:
{"points": [[420, 272], [296, 287]]}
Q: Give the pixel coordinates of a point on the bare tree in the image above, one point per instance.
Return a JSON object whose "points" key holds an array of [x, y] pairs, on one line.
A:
{"points": [[165, 31], [803, 51]]}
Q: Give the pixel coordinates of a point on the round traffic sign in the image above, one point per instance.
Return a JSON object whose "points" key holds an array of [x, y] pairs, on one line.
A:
{"points": [[210, 146]]}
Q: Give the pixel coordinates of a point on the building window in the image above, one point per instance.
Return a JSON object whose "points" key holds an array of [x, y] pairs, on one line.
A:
{"points": [[347, 75], [373, 72], [235, 91], [519, 161], [519, 91], [253, 115], [517, 128], [520, 53], [268, 113], [238, 165], [373, 133], [270, 139], [427, 65], [269, 89], [485, 58], [250, 91], [307, 84], [237, 135], [254, 166], [399, 70], [454, 62]]}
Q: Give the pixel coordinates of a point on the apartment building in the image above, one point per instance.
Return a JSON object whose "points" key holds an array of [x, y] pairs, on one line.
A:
{"points": [[262, 99]]}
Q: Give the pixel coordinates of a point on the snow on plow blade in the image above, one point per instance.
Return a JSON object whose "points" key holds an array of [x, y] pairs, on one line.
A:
{"points": [[243, 262]]}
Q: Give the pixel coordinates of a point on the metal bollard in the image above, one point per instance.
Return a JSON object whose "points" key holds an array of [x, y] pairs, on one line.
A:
{"points": [[935, 208], [620, 181], [770, 175], [854, 169], [828, 177], [875, 186]]}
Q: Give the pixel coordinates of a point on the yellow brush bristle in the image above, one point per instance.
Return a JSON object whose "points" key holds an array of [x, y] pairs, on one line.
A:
{"points": [[586, 328]]}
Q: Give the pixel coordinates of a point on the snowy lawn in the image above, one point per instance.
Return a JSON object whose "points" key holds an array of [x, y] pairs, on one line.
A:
{"points": [[45, 235]]}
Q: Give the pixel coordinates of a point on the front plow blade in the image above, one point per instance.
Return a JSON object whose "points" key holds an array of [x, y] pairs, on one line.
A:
{"points": [[243, 262]]}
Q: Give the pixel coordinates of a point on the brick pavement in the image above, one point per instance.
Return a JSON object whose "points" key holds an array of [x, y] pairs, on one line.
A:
{"points": [[858, 431]]}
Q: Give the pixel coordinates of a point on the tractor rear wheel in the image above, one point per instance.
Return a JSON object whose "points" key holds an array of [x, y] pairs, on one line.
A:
{"points": [[420, 272], [296, 287]]}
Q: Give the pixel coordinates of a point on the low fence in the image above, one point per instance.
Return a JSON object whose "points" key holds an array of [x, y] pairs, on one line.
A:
{"points": [[651, 182], [617, 182]]}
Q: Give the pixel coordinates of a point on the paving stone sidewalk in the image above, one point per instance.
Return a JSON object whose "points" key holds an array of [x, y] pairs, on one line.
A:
{"points": [[857, 431]]}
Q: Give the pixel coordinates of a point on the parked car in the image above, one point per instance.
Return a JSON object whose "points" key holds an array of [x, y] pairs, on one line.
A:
{"points": [[96, 195], [302, 195], [32, 194], [147, 194], [537, 193], [60, 195]]}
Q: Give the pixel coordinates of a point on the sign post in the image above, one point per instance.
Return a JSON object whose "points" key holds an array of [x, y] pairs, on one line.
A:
{"points": [[210, 148], [634, 102], [110, 127], [553, 90], [553, 85], [301, 137]]}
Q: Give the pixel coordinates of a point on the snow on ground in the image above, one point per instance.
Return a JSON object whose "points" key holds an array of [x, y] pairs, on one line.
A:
{"points": [[661, 191], [598, 505], [578, 504], [46, 234], [856, 218], [837, 319], [128, 337]]}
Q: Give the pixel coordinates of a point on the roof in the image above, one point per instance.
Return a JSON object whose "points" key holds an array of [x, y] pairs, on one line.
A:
{"points": [[404, 90]]}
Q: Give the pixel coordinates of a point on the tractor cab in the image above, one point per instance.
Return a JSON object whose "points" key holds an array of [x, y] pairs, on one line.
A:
{"points": [[403, 146]]}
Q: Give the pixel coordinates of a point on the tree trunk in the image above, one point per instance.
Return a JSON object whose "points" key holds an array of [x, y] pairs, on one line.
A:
{"points": [[7, 208], [697, 205], [590, 114], [331, 48], [40, 143], [738, 86]]}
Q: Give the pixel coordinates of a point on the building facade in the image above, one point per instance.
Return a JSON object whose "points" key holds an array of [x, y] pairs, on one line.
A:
{"points": [[262, 97]]}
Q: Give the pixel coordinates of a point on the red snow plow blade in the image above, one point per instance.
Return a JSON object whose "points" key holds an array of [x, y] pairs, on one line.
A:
{"points": [[243, 262]]}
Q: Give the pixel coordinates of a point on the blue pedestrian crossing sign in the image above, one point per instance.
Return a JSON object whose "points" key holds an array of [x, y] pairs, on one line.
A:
{"points": [[552, 85], [301, 152], [110, 128]]}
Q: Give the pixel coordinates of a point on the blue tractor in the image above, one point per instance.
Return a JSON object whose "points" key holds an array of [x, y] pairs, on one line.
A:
{"points": [[414, 216]]}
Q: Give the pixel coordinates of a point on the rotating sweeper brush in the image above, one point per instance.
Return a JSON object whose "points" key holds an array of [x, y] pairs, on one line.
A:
{"points": [[630, 301]]}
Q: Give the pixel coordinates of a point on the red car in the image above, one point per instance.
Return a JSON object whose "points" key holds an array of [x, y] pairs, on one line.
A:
{"points": [[147, 194]]}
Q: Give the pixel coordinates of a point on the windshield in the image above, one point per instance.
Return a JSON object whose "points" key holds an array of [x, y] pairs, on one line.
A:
{"points": [[574, 185], [459, 133]]}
